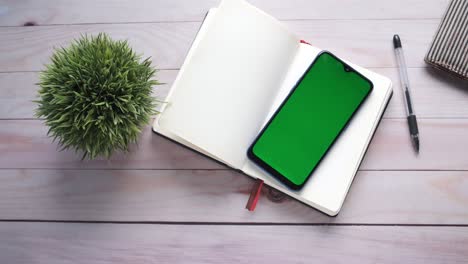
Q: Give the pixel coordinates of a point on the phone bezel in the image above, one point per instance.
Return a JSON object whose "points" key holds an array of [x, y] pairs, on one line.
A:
{"points": [[251, 155]]}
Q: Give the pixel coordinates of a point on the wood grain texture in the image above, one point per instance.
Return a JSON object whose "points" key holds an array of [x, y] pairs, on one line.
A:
{"points": [[366, 43], [122, 243], [429, 197], [434, 95], [194, 206], [46, 12], [24, 144], [29, 48]]}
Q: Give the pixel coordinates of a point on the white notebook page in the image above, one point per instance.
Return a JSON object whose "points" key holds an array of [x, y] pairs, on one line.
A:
{"points": [[230, 82]]}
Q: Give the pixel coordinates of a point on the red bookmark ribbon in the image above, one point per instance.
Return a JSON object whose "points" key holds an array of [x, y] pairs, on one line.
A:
{"points": [[254, 195]]}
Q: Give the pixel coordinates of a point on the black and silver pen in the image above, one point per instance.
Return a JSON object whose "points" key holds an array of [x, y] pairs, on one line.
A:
{"points": [[411, 116]]}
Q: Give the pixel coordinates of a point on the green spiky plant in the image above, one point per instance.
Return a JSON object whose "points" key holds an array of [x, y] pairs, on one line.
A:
{"points": [[95, 96]]}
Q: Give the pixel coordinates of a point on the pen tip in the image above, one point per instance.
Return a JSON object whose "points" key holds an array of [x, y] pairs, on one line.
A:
{"points": [[396, 41], [416, 143]]}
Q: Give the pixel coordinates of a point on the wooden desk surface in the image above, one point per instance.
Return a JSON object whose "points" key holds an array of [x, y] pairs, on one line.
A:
{"points": [[165, 204]]}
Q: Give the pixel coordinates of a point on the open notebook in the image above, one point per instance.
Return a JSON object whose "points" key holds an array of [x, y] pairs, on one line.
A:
{"points": [[241, 66]]}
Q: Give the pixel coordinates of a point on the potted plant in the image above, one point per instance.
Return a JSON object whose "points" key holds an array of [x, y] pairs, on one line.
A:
{"points": [[95, 96]]}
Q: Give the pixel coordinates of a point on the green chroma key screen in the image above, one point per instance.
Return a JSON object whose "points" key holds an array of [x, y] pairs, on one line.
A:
{"points": [[307, 123]]}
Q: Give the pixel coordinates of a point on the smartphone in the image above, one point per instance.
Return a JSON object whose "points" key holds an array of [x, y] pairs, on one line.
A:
{"points": [[310, 119]]}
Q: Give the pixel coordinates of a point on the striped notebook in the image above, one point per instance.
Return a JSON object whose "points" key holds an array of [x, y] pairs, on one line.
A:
{"points": [[449, 49]]}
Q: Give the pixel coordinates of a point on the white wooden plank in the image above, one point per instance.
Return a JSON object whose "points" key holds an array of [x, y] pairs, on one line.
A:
{"points": [[46, 12], [366, 43], [434, 95], [123, 243], [376, 197], [24, 144], [443, 144], [18, 90], [29, 48]]}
